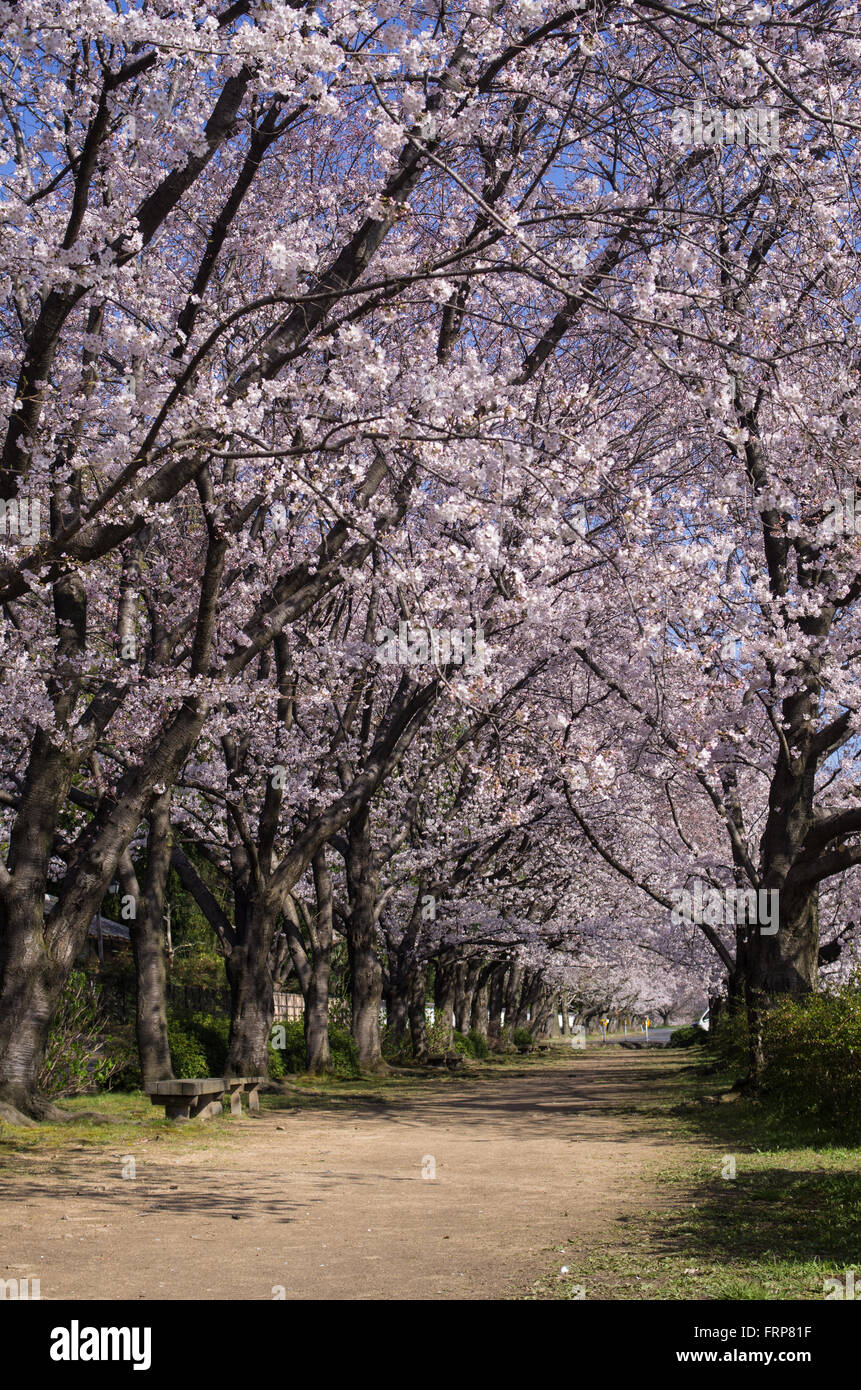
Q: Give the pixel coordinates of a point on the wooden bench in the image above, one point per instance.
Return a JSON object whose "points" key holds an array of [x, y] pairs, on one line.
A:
{"points": [[200, 1097]]}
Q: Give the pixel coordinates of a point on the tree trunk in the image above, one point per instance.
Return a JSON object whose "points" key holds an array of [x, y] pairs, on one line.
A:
{"points": [[783, 963], [787, 962], [479, 1016], [495, 1003], [396, 991], [30, 988], [252, 993], [397, 1011], [445, 986], [418, 1017], [465, 986], [366, 974], [37, 952], [405, 977], [542, 1008], [367, 992], [552, 1016], [148, 948], [532, 1007], [513, 991], [317, 1055]]}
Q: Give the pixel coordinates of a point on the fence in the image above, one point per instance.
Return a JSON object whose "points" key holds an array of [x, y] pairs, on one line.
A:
{"points": [[288, 1007], [119, 996]]}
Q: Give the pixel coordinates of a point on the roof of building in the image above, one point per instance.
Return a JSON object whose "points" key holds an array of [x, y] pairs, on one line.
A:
{"points": [[118, 931]]}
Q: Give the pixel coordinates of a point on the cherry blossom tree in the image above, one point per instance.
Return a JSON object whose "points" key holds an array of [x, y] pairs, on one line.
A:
{"points": [[315, 318]]}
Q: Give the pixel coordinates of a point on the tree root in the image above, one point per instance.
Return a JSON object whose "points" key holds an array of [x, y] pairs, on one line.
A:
{"points": [[10, 1116], [41, 1111]]}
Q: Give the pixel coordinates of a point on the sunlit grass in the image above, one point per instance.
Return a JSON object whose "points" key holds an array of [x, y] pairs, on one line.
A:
{"points": [[788, 1219]]}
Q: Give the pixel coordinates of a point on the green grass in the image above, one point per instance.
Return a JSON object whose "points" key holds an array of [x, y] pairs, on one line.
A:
{"points": [[123, 1118], [787, 1221], [402, 1082]]}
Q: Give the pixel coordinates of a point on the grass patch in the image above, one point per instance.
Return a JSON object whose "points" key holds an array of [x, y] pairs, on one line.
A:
{"points": [[129, 1117], [125, 1118], [788, 1219]]}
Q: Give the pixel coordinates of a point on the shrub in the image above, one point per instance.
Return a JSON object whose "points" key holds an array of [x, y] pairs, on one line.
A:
{"points": [[523, 1039], [186, 1050], [812, 1056], [122, 1045], [209, 1034], [461, 1044], [78, 1057], [812, 1050], [345, 1058], [480, 1045], [395, 1048], [291, 1058], [212, 1033], [688, 1037], [292, 1054], [438, 1035], [340, 1013], [470, 1044], [727, 1038], [277, 1069]]}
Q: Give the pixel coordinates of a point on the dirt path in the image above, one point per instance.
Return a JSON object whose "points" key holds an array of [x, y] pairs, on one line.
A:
{"points": [[333, 1204]]}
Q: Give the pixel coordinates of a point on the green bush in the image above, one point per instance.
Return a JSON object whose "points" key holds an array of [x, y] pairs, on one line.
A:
{"points": [[292, 1054], [812, 1057], [212, 1031], [291, 1058], [438, 1035], [523, 1039], [470, 1044], [186, 1050], [202, 1040], [480, 1045], [396, 1048], [277, 1069], [79, 1056], [688, 1037], [812, 1050], [727, 1039], [122, 1045], [345, 1058]]}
